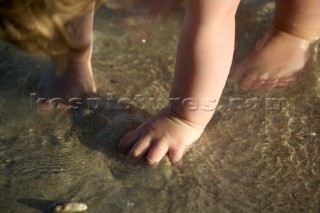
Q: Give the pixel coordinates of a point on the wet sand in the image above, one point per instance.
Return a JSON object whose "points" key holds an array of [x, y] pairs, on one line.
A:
{"points": [[249, 160]]}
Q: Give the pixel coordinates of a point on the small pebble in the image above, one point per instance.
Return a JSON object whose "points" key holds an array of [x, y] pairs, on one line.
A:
{"points": [[313, 134], [71, 207], [129, 204]]}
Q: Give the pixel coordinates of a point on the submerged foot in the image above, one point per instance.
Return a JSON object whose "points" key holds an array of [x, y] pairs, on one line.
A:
{"points": [[75, 81], [275, 62]]}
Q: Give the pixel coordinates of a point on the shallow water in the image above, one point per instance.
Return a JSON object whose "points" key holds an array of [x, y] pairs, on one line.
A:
{"points": [[247, 161]]}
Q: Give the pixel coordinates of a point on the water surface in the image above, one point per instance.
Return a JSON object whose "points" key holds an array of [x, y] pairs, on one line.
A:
{"points": [[264, 160]]}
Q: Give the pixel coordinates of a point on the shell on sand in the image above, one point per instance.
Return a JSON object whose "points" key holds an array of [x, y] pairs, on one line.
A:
{"points": [[72, 207]]}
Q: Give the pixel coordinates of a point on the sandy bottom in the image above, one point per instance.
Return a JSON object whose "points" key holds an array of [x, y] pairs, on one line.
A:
{"points": [[251, 160]]}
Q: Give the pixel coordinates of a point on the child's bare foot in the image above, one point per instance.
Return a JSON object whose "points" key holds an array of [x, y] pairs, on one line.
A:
{"points": [[74, 82], [275, 62], [162, 134]]}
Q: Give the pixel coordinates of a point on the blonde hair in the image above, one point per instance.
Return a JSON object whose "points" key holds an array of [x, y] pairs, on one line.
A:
{"points": [[39, 26]]}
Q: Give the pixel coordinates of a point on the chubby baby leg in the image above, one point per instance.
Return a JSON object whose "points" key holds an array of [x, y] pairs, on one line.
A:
{"points": [[281, 55]]}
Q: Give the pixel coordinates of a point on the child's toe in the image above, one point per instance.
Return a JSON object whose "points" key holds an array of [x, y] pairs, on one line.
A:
{"points": [[288, 79], [284, 82], [270, 84], [239, 70], [258, 84], [248, 80]]}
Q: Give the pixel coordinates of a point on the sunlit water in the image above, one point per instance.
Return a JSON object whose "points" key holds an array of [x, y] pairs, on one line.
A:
{"points": [[247, 161]]}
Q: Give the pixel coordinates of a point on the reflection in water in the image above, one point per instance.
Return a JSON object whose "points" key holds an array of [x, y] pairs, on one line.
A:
{"points": [[264, 160]]}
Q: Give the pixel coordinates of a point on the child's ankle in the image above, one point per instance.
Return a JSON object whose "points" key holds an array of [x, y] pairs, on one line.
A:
{"points": [[79, 58], [305, 36], [305, 41]]}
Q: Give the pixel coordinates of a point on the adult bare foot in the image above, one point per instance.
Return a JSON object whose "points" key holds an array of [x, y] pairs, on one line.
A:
{"points": [[275, 62]]}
